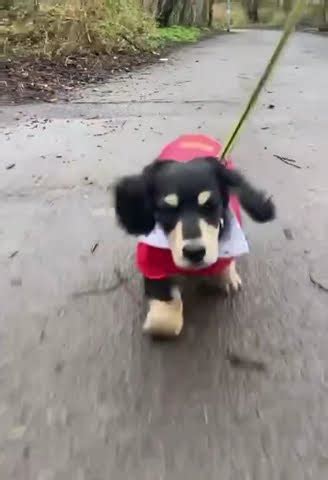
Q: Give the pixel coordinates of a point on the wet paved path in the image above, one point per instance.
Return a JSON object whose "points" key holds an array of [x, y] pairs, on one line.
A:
{"points": [[83, 396]]}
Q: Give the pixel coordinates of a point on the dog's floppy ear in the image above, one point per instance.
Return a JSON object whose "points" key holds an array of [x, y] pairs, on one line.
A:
{"points": [[255, 202], [133, 205]]}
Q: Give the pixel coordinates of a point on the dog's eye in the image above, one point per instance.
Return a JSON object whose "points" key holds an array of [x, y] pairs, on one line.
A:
{"points": [[209, 205], [167, 211]]}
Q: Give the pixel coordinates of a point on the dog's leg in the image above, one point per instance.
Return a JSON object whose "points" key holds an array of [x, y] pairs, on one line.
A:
{"points": [[229, 279], [165, 315]]}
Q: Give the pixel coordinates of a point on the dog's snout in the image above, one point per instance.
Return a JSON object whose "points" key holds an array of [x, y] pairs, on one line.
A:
{"points": [[194, 253]]}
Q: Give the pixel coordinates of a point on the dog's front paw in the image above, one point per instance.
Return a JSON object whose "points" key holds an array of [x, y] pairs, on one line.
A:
{"points": [[231, 280], [164, 319]]}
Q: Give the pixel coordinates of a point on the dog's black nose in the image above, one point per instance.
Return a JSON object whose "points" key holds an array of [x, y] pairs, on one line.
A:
{"points": [[194, 253]]}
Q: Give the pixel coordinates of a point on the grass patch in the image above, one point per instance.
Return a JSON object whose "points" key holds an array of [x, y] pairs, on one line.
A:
{"points": [[177, 34]]}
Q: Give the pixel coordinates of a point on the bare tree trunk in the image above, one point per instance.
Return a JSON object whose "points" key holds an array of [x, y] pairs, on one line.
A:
{"points": [[206, 13], [184, 12], [253, 14], [210, 16], [251, 8], [164, 11], [287, 5]]}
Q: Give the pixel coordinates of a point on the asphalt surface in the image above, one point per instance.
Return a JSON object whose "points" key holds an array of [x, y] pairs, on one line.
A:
{"points": [[242, 395]]}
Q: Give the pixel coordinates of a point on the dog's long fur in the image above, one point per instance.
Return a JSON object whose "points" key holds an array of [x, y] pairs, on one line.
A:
{"points": [[135, 201], [190, 203]]}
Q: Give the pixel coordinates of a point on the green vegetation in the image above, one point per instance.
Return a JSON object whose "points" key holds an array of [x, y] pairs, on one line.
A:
{"points": [[67, 27], [71, 27], [177, 34], [79, 26]]}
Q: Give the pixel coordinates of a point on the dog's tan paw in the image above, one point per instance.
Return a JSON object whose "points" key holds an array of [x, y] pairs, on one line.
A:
{"points": [[234, 284], [231, 280], [164, 319]]}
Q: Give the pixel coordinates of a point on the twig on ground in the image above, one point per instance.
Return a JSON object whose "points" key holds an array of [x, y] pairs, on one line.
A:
{"points": [[10, 166], [94, 247], [120, 281], [287, 161], [97, 291], [317, 283], [239, 361]]}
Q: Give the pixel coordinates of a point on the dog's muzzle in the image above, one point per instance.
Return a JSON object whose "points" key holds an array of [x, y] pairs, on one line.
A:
{"points": [[194, 253]]}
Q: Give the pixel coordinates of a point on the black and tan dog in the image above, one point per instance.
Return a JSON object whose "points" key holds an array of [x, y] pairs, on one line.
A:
{"points": [[185, 208]]}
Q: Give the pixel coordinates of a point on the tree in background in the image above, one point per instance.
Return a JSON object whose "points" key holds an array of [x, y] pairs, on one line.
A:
{"points": [[163, 13], [324, 11], [6, 4], [287, 5], [185, 12], [251, 7]]}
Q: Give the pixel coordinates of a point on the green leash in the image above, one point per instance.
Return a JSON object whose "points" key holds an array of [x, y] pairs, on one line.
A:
{"points": [[291, 21]]}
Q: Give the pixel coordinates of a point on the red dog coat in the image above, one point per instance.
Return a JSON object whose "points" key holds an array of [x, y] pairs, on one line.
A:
{"points": [[157, 263]]}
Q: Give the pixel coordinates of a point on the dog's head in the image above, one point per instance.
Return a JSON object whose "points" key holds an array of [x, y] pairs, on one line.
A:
{"points": [[189, 201]]}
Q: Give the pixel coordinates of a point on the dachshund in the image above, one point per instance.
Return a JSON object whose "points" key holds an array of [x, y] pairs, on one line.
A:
{"points": [[184, 207]]}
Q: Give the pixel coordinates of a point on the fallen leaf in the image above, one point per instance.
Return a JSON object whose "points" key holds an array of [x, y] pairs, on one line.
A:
{"points": [[16, 282], [59, 367], [17, 432], [26, 452], [288, 234]]}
